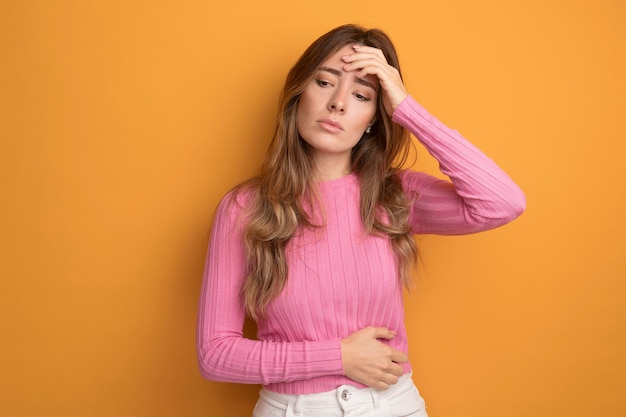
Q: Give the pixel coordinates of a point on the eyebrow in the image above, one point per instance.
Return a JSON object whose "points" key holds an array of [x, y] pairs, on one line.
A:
{"points": [[357, 80]]}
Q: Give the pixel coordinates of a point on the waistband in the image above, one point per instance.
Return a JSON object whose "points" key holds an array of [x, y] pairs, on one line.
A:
{"points": [[341, 395]]}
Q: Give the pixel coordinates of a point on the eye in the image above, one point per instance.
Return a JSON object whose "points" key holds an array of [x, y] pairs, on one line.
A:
{"points": [[323, 83], [361, 97]]}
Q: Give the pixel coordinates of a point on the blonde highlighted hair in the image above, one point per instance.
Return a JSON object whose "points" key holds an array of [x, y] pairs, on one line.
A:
{"points": [[284, 190]]}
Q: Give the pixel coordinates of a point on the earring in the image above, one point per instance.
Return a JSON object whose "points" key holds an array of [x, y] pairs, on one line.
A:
{"points": [[369, 129]]}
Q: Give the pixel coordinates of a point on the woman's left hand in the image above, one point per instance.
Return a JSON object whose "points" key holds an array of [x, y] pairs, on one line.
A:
{"points": [[369, 60]]}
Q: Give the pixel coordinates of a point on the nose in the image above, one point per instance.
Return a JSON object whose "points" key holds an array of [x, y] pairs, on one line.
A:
{"points": [[337, 102], [336, 107]]}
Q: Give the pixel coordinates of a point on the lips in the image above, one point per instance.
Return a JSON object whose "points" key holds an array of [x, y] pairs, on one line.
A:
{"points": [[331, 125]]}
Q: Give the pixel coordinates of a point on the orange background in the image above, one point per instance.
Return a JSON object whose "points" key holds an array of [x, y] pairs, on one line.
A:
{"points": [[124, 122]]}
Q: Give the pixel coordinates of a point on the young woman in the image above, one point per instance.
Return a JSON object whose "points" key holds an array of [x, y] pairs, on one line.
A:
{"points": [[318, 246]]}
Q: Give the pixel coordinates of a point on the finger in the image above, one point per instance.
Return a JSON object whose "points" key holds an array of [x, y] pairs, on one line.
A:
{"points": [[390, 83], [383, 74], [399, 357], [383, 333], [369, 49], [353, 63], [395, 369], [381, 385], [360, 56], [390, 379], [367, 53], [387, 75]]}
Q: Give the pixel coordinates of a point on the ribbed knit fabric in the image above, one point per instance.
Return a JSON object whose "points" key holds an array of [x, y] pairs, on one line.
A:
{"points": [[341, 279]]}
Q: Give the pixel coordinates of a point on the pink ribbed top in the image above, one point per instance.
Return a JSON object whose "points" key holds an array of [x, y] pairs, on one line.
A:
{"points": [[341, 279]]}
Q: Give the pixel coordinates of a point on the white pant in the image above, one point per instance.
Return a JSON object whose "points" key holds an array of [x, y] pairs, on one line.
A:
{"points": [[400, 400]]}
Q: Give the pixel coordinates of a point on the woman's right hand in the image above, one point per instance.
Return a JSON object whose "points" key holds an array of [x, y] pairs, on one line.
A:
{"points": [[369, 361]]}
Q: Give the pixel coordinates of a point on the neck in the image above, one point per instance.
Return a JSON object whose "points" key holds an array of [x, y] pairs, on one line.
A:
{"points": [[331, 168]]}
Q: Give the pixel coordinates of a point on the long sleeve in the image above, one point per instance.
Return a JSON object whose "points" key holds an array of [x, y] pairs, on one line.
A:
{"points": [[480, 196], [341, 278], [223, 353]]}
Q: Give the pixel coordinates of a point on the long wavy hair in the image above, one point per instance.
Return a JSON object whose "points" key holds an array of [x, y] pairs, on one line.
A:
{"points": [[283, 192]]}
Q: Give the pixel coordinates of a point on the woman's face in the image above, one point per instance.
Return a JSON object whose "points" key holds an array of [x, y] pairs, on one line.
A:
{"points": [[335, 109]]}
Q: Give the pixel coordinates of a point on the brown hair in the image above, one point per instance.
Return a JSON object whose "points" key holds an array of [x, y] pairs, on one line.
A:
{"points": [[285, 185]]}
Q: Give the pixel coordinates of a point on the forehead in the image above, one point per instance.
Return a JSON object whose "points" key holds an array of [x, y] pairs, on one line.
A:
{"points": [[335, 58], [344, 50], [335, 61]]}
